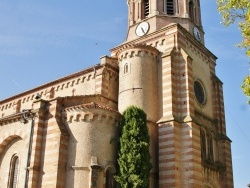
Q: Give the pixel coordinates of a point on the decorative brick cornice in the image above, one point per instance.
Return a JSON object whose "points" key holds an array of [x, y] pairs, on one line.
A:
{"points": [[11, 118], [80, 76], [21, 116], [146, 39], [90, 112], [140, 50], [88, 106]]}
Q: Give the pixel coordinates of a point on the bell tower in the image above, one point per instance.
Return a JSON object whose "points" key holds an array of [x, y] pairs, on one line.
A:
{"points": [[165, 69], [159, 13]]}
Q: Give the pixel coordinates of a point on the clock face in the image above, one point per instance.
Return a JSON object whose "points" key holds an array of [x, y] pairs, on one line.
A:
{"points": [[142, 29], [197, 34]]}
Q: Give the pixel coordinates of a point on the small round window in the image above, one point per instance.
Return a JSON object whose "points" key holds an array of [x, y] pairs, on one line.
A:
{"points": [[199, 92]]}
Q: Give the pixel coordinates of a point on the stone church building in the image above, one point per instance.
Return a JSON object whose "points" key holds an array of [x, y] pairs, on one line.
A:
{"points": [[62, 134]]}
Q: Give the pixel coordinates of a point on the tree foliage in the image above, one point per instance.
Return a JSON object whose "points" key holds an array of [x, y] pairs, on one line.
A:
{"points": [[237, 10], [246, 87], [134, 156]]}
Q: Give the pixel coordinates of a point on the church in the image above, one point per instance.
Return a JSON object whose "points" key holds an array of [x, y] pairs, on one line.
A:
{"points": [[63, 133]]}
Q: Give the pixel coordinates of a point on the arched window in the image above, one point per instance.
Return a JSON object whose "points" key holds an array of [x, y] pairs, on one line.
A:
{"points": [[203, 144], [13, 172], [169, 7], [210, 146], [126, 68], [109, 178]]}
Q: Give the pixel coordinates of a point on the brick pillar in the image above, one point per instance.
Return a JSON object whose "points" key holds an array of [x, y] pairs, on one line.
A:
{"points": [[186, 88], [36, 132], [168, 87], [102, 82], [169, 155], [224, 143], [54, 148], [190, 156], [225, 151]]}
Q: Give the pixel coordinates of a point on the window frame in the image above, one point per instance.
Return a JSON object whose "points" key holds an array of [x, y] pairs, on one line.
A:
{"points": [[191, 10], [203, 141], [166, 7], [14, 171], [146, 8], [200, 92], [126, 68], [109, 178]]}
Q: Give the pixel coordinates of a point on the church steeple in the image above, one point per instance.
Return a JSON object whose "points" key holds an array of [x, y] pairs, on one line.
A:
{"points": [[165, 69], [160, 13]]}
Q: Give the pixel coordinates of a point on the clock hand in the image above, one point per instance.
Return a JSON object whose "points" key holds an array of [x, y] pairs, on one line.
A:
{"points": [[143, 30]]}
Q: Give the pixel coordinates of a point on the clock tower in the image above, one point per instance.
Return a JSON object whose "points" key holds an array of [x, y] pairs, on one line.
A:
{"points": [[165, 69], [159, 13]]}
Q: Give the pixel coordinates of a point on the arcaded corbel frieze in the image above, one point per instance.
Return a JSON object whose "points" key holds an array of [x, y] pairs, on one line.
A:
{"points": [[89, 117]]}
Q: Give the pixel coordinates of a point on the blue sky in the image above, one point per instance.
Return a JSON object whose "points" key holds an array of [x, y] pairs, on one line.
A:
{"points": [[41, 41]]}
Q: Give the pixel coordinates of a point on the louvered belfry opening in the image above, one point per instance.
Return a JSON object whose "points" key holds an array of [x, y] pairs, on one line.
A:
{"points": [[170, 7], [146, 8], [191, 10]]}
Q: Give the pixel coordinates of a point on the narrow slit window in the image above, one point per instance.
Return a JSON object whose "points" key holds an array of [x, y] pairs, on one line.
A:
{"points": [[210, 148], [126, 68], [203, 145], [13, 172]]}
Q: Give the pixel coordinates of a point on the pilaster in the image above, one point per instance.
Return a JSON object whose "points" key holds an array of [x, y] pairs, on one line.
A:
{"points": [[36, 139], [54, 148], [191, 168], [169, 154]]}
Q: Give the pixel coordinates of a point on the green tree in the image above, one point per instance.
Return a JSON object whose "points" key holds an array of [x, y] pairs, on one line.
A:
{"points": [[134, 157], [238, 10], [246, 87]]}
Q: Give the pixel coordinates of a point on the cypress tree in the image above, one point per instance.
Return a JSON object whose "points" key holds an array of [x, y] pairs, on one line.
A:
{"points": [[134, 157]]}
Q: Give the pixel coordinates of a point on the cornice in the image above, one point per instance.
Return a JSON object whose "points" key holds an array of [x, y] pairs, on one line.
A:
{"points": [[52, 83], [89, 112], [144, 39], [141, 50], [11, 118], [161, 33], [91, 105]]}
